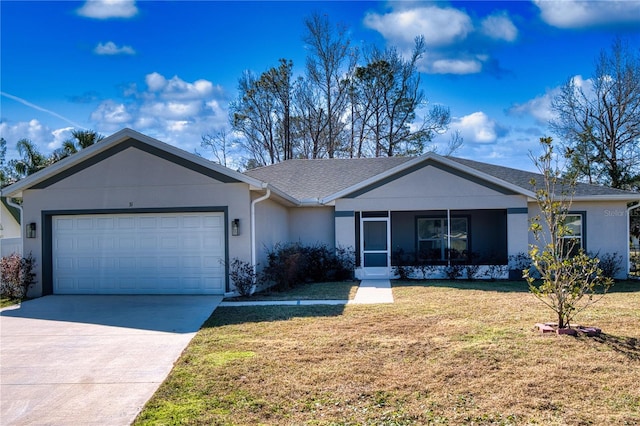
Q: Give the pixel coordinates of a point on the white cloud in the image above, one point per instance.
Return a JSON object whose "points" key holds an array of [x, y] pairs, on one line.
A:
{"points": [[456, 43], [540, 107], [173, 110], [44, 138], [59, 136], [455, 66], [476, 128], [110, 48], [176, 88], [111, 115], [499, 27], [583, 14], [106, 9], [439, 26]]}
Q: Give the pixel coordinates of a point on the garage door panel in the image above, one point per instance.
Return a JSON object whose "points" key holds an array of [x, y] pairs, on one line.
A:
{"points": [[144, 253], [212, 221], [126, 223], [213, 283]]}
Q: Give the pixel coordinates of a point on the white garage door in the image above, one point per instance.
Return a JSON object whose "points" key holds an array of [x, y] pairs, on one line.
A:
{"points": [[149, 253]]}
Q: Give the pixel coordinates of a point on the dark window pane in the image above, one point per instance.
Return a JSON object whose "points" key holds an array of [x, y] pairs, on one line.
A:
{"points": [[375, 235], [375, 259]]}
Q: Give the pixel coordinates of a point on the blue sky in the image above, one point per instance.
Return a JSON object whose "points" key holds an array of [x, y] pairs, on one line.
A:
{"points": [[169, 69]]}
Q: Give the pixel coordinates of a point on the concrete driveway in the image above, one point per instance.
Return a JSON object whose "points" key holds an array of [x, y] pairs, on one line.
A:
{"points": [[91, 360]]}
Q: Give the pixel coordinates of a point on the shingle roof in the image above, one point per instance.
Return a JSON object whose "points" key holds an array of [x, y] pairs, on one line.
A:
{"points": [[311, 179], [523, 178], [317, 179]]}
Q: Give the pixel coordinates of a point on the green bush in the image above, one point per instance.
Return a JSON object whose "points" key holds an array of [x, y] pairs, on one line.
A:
{"points": [[293, 263], [610, 263]]}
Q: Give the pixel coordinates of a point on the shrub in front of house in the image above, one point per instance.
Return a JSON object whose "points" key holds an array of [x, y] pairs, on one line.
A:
{"points": [[291, 264], [16, 275], [610, 263], [243, 276]]}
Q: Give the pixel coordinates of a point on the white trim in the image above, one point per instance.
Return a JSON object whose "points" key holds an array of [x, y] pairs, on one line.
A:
{"points": [[375, 271], [628, 241]]}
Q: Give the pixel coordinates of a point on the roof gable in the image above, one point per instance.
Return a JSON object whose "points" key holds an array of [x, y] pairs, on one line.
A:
{"points": [[134, 143], [117, 143], [437, 165]]}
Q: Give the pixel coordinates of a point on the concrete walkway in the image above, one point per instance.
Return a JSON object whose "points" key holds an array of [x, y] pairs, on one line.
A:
{"points": [[374, 291], [369, 292]]}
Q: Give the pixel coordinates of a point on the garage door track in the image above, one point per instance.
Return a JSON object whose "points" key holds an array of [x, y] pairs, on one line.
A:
{"points": [[91, 360]]}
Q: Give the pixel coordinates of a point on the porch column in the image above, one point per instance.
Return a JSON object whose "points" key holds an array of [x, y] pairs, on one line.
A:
{"points": [[345, 229], [517, 230]]}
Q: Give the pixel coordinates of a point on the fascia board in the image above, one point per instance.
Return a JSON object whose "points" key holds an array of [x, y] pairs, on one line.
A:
{"points": [[282, 194], [616, 197]]}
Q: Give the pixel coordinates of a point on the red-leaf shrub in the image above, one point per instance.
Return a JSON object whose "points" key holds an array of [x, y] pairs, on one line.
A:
{"points": [[16, 275]]}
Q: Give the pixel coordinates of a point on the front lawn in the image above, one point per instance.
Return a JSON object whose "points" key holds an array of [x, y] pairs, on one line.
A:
{"points": [[339, 290], [8, 301], [453, 353]]}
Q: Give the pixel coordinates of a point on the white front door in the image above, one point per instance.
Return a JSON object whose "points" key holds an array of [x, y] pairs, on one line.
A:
{"points": [[375, 243]]}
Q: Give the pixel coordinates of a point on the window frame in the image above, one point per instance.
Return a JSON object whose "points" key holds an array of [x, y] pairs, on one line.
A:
{"points": [[582, 237], [444, 249]]}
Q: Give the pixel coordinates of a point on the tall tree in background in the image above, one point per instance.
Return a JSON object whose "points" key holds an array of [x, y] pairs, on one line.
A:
{"points": [[279, 82], [601, 122], [329, 51], [4, 177], [309, 122], [81, 139], [30, 162], [387, 92], [262, 114], [219, 145]]}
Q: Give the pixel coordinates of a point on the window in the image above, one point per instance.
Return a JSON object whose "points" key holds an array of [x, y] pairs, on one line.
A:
{"points": [[574, 240], [433, 239]]}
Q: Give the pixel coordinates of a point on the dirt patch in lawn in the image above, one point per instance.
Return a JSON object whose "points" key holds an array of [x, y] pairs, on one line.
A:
{"points": [[441, 354]]}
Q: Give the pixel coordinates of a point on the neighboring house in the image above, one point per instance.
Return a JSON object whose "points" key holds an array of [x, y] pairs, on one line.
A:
{"points": [[10, 241], [134, 215]]}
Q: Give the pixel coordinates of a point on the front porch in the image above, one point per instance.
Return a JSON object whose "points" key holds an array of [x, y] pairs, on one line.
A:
{"points": [[434, 243]]}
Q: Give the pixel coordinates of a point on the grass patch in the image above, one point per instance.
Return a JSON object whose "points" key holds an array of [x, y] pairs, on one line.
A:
{"points": [[444, 353], [339, 290], [9, 301]]}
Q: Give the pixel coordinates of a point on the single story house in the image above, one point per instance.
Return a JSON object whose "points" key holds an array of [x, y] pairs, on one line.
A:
{"points": [[133, 215]]}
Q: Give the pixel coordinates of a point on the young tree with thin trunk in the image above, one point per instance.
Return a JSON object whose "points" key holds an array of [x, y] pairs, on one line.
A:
{"points": [[569, 280]]}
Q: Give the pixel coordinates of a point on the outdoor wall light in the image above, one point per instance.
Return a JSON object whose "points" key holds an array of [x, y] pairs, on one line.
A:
{"points": [[235, 227], [31, 230]]}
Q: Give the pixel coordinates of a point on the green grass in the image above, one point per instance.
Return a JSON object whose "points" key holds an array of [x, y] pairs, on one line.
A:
{"points": [[8, 301], [454, 353], [340, 290]]}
